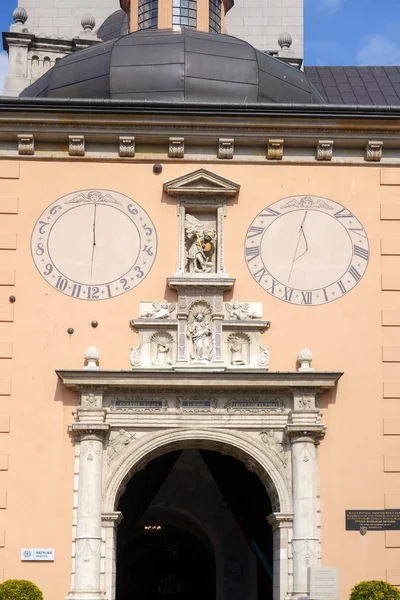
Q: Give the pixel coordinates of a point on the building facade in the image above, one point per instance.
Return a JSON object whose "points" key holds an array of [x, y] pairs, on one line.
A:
{"points": [[199, 326]]}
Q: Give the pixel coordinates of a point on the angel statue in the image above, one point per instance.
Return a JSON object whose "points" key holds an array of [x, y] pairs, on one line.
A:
{"points": [[200, 332], [202, 245], [240, 311], [162, 310]]}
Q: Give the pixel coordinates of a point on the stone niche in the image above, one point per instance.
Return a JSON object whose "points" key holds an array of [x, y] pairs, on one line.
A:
{"points": [[200, 329]]}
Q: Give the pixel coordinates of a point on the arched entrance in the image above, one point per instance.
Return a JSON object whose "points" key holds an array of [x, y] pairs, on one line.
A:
{"points": [[246, 467], [195, 526]]}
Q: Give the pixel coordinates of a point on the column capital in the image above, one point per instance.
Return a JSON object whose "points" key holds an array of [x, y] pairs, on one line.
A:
{"points": [[111, 519], [280, 520], [88, 430], [305, 433]]}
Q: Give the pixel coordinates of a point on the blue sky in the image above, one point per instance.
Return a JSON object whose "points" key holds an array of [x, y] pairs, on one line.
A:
{"points": [[337, 32]]}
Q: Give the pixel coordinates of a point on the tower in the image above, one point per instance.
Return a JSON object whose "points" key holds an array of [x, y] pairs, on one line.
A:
{"points": [[62, 18], [260, 22]]}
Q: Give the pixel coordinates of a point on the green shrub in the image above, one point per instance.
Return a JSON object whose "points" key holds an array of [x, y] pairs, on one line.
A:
{"points": [[19, 589], [372, 590]]}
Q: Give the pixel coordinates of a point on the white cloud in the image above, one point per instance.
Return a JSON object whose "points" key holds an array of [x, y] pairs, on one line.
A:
{"points": [[332, 5], [3, 69], [376, 49]]}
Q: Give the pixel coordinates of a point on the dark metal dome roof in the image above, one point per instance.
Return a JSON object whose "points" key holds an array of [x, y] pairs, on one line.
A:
{"points": [[168, 65], [114, 26]]}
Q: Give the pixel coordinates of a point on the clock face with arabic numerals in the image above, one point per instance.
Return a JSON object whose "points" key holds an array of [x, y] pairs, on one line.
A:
{"points": [[94, 244], [306, 250]]}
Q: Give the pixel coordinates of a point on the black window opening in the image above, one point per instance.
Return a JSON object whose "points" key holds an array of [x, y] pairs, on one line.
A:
{"points": [[148, 14], [215, 16], [184, 13]]}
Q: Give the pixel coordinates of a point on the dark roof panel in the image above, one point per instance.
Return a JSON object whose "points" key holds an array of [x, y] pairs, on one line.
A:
{"points": [[114, 26], [357, 85], [184, 65]]}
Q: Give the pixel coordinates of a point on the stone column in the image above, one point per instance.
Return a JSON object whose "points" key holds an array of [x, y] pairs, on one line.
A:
{"points": [[110, 522], [305, 541], [281, 524], [88, 538]]}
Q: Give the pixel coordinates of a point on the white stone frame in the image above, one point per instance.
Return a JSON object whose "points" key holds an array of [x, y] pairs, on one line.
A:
{"points": [[230, 442], [270, 421]]}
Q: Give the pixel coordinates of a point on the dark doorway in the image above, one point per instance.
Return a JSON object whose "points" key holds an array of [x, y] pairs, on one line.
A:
{"points": [[170, 508], [166, 563]]}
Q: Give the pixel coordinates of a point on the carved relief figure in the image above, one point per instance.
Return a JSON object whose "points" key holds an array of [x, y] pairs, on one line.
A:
{"points": [[162, 310], [239, 347], [241, 311], [237, 352], [200, 331], [118, 443], [161, 347], [201, 248]]}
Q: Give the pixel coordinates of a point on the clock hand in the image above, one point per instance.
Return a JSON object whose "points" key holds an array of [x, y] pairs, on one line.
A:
{"points": [[94, 240], [301, 234]]}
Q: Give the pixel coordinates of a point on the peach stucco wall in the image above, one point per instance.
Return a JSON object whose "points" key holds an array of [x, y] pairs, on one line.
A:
{"points": [[345, 335]]}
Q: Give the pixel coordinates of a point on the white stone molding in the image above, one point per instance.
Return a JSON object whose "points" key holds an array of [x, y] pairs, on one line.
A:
{"points": [[201, 184], [374, 151], [235, 443], [325, 150], [176, 147], [275, 149], [26, 144], [88, 538], [127, 146], [77, 145], [226, 148]]}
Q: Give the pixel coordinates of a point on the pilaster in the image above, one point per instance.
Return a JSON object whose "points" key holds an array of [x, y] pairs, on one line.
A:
{"points": [[88, 540], [305, 541]]}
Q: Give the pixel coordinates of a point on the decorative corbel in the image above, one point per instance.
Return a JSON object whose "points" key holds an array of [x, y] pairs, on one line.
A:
{"points": [[374, 151], [77, 145], [325, 150], [176, 147], [127, 146], [26, 144], [275, 149], [226, 148]]}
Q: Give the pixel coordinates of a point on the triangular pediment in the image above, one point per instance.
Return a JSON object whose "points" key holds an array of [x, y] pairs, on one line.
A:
{"points": [[201, 183]]}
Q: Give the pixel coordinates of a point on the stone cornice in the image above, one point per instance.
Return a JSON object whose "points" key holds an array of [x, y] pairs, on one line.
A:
{"points": [[309, 134], [189, 378]]}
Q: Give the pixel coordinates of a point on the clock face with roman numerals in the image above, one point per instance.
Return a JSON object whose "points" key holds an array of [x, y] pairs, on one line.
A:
{"points": [[94, 244], [307, 250]]}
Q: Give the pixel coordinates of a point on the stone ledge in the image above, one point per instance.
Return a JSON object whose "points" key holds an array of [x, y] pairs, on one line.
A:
{"points": [[188, 378]]}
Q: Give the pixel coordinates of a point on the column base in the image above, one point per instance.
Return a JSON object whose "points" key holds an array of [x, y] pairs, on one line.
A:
{"points": [[86, 595]]}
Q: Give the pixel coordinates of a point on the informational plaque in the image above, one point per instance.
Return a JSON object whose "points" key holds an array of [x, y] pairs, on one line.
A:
{"points": [[373, 520], [323, 583], [37, 554]]}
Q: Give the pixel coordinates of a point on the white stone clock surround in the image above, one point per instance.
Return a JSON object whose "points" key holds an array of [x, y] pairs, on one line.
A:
{"points": [[269, 421]]}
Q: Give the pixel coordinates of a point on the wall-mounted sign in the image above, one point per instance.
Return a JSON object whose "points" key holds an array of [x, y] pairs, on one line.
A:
{"points": [[323, 583], [37, 554], [373, 520]]}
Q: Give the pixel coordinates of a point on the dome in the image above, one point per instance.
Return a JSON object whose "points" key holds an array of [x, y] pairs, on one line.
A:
{"points": [[166, 65], [114, 26]]}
